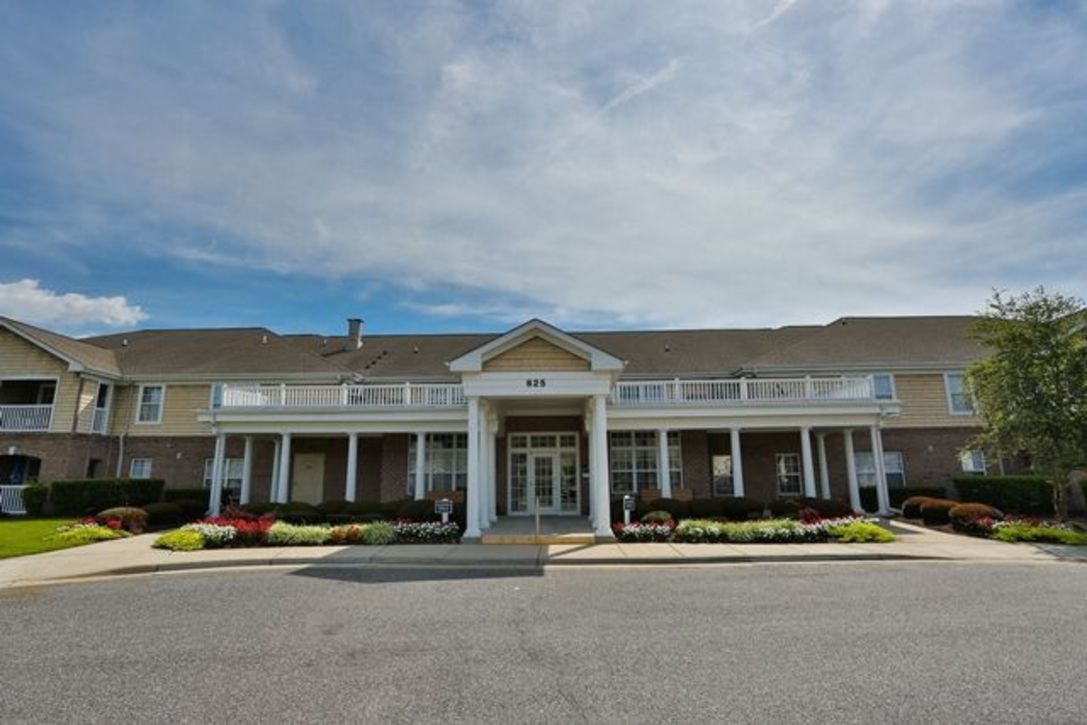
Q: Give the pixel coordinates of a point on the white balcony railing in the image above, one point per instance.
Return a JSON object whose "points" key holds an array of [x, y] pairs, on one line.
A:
{"points": [[100, 421], [11, 500], [25, 418], [401, 395], [742, 391]]}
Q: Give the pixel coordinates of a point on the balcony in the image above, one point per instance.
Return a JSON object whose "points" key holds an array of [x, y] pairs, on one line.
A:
{"points": [[25, 418], [383, 397], [742, 392]]}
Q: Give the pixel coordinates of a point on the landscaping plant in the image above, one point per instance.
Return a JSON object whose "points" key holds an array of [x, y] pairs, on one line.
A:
{"points": [[974, 518], [282, 533], [90, 531], [180, 540], [861, 532], [132, 519]]}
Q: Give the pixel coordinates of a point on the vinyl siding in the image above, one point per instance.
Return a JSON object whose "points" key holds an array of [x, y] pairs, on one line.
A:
{"points": [[924, 403], [182, 404], [536, 354], [86, 406], [21, 358]]}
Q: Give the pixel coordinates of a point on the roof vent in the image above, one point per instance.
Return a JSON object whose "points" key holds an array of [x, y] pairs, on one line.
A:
{"points": [[415, 349], [124, 342], [667, 348], [263, 339], [354, 334]]}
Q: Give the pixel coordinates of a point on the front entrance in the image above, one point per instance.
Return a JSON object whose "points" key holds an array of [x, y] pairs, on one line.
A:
{"points": [[308, 481], [543, 474]]}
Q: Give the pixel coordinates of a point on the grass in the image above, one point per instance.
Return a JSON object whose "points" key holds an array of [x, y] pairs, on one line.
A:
{"points": [[19, 537]]}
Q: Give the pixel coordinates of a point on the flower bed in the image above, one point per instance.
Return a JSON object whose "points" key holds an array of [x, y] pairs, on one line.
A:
{"points": [[710, 531], [89, 531], [233, 531], [1032, 530]]}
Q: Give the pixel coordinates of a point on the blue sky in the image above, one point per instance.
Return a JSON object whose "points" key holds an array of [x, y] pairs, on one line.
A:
{"points": [[464, 166]]}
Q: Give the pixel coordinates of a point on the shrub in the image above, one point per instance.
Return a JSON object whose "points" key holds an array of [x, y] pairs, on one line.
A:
{"points": [[132, 519], [298, 512], [937, 511], [741, 508], [860, 532], [80, 497], [676, 509], [1011, 494], [259, 508], [34, 499], [248, 531], [185, 494], [346, 534], [1013, 531], [282, 533], [432, 532], [88, 532], [181, 540], [911, 507], [191, 510], [215, 535], [421, 510], [791, 507], [646, 530], [367, 508], [163, 514], [898, 495], [783, 508], [656, 517], [966, 517], [325, 508], [380, 533]]}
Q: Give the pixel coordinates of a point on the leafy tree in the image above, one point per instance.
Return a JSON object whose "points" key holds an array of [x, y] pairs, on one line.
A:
{"points": [[1031, 392]]}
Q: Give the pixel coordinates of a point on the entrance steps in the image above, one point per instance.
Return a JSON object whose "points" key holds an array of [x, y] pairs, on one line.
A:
{"points": [[553, 530]]}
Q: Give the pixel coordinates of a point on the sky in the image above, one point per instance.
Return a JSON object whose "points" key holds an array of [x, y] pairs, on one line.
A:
{"points": [[464, 166]]}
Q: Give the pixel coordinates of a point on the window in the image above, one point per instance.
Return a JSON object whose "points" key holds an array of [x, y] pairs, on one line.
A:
{"points": [[959, 400], [973, 462], [233, 470], [150, 410], [46, 393], [139, 468], [787, 466], [892, 463], [633, 460], [884, 386], [722, 475], [446, 465]]}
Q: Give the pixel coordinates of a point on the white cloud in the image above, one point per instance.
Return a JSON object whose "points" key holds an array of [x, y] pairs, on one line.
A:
{"points": [[25, 300], [651, 163]]}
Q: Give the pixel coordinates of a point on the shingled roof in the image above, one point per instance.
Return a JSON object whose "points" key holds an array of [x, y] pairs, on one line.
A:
{"points": [[84, 354]]}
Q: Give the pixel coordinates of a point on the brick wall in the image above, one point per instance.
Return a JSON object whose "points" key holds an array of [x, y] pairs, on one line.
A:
{"points": [[63, 455]]}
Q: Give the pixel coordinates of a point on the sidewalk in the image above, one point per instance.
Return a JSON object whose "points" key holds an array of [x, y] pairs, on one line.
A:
{"points": [[135, 555]]}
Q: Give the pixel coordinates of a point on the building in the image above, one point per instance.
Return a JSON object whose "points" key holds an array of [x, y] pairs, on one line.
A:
{"points": [[531, 419]]}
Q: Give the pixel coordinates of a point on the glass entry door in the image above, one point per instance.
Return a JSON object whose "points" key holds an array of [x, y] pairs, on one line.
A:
{"points": [[544, 467]]}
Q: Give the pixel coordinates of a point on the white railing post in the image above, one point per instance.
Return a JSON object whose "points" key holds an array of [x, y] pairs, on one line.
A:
{"points": [[282, 394]]}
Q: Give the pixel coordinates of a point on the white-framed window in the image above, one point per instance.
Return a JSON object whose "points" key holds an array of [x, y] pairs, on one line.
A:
{"points": [[893, 464], [723, 483], [883, 385], [973, 462], [139, 468], [787, 467], [149, 409], [232, 473], [632, 457], [959, 399], [445, 465]]}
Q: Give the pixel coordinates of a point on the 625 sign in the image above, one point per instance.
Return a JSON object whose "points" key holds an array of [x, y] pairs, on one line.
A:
{"points": [[535, 383]]}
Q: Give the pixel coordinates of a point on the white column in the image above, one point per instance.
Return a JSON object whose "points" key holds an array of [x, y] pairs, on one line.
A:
{"points": [[737, 463], [351, 484], [824, 473], [592, 465], [484, 469], [247, 472], [851, 471], [664, 466], [420, 466], [882, 495], [283, 492], [215, 497], [808, 466], [492, 467], [471, 501], [273, 485], [600, 474]]}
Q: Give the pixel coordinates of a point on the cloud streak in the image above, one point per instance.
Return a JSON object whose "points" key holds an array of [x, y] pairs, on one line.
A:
{"points": [[626, 164], [26, 300]]}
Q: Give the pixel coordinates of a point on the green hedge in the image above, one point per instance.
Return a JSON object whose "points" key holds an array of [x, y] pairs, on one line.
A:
{"points": [[185, 494], [898, 495], [34, 498], [88, 496], [1011, 494]]}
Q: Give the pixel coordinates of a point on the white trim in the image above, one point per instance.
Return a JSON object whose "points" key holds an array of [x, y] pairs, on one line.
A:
{"points": [[139, 403], [150, 467], [557, 452], [894, 386], [947, 394], [473, 360]]}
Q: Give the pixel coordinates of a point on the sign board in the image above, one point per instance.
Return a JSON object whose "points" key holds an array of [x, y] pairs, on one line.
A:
{"points": [[629, 503], [443, 506]]}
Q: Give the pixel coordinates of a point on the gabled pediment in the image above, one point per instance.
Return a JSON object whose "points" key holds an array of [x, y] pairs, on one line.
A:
{"points": [[536, 345]]}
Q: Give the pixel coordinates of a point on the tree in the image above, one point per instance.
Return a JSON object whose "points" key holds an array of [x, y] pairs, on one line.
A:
{"points": [[1031, 392]]}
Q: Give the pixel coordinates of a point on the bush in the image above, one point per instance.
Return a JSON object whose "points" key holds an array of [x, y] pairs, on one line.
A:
{"points": [[81, 497], [911, 507], [827, 508], [326, 508], [181, 540], [163, 514], [368, 508], [215, 535], [248, 530], [282, 533], [1041, 533], [259, 508], [974, 518], [432, 532], [1012, 494], [34, 499], [298, 512], [937, 511], [861, 532], [646, 530], [675, 508], [379, 533], [733, 508], [185, 494], [656, 517], [88, 533], [869, 500], [345, 534], [132, 519], [191, 510]]}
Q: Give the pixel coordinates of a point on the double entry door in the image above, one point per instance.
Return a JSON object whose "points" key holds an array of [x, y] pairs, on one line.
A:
{"points": [[543, 473]]}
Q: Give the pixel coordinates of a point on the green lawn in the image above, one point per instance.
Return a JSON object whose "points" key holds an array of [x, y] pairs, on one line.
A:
{"points": [[19, 537]]}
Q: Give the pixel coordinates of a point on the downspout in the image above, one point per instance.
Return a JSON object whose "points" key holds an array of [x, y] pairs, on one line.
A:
{"points": [[123, 434]]}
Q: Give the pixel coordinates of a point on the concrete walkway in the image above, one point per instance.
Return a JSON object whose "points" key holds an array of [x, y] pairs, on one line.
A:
{"points": [[135, 555]]}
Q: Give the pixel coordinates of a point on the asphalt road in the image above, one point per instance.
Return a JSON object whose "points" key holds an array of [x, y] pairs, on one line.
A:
{"points": [[874, 642]]}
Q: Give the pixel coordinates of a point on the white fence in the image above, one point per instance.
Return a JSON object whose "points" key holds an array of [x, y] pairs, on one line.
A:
{"points": [[25, 418], [404, 395], [11, 500], [742, 391]]}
